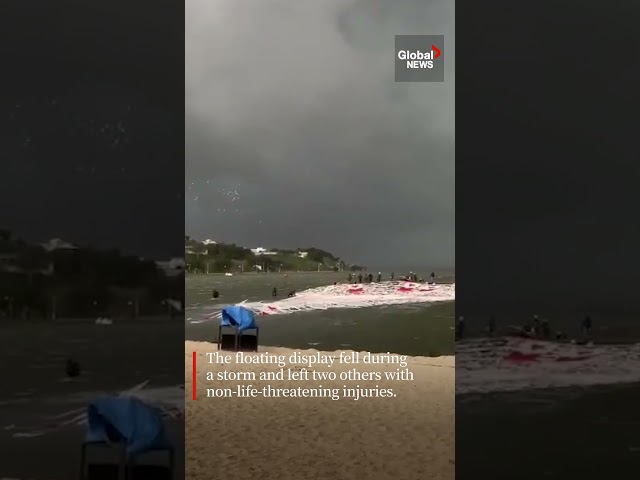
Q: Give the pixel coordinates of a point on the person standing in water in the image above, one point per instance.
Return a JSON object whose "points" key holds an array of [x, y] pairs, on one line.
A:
{"points": [[393, 276], [370, 277], [379, 277], [360, 278], [460, 328], [491, 325], [586, 325], [535, 329], [546, 329], [432, 278], [274, 293]]}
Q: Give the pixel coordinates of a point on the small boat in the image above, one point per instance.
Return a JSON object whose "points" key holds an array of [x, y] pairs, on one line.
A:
{"points": [[228, 274]]}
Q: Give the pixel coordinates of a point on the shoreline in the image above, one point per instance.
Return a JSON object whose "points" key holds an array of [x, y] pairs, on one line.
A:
{"points": [[318, 437], [446, 361], [287, 272], [417, 330]]}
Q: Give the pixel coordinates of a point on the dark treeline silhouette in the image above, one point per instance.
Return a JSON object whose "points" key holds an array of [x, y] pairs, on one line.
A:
{"points": [[36, 282]]}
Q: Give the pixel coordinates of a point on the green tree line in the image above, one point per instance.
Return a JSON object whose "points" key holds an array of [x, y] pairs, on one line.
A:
{"points": [[36, 283], [223, 257]]}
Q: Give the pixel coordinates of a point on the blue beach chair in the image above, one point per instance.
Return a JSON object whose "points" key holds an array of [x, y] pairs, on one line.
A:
{"points": [[128, 427]]}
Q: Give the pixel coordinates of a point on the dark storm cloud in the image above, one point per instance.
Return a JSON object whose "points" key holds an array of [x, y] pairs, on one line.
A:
{"points": [[92, 112], [297, 134]]}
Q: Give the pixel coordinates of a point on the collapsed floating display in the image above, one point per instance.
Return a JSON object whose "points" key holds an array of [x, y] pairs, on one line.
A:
{"points": [[353, 296]]}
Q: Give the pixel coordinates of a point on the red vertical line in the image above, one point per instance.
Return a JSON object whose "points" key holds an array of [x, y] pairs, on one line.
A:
{"points": [[194, 375]]}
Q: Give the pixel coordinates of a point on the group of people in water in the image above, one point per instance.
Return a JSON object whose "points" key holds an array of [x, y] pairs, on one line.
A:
{"points": [[534, 328], [410, 277], [274, 293], [353, 278]]}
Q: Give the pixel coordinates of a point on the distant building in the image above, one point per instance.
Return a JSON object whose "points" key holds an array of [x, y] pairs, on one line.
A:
{"points": [[57, 244], [172, 267], [303, 254], [208, 241], [8, 264], [262, 251], [195, 250]]}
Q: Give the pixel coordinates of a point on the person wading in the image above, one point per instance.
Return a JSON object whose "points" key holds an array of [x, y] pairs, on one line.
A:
{"points": [[491, 326], [460, 328], [587, 324]]}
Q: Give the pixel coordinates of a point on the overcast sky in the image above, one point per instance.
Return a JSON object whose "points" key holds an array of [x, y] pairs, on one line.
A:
{"points": [[297, 134], [92, 125]]}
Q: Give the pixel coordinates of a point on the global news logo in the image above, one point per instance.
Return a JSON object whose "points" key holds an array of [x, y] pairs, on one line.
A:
{"points": [[417, 59]]}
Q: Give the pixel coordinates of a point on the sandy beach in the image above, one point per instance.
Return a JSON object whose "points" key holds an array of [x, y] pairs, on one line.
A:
{"points": [[409, 436]]}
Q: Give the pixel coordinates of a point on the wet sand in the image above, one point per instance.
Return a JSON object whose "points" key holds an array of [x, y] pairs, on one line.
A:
{"points": [[408, 437]]}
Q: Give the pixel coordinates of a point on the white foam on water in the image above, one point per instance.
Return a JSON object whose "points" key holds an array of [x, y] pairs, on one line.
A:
{"points": [[513, 364], [169, 400], [354, 296]]}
